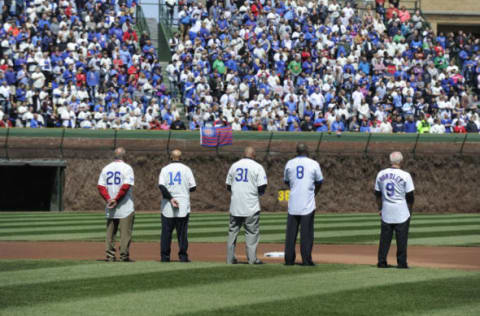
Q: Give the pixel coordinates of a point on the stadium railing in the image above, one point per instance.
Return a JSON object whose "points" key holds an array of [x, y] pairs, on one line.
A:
{"points": [[141, 22], [18, 143]]}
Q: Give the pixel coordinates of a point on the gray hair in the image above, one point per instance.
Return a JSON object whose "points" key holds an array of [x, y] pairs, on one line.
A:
{"points": [[396, 157], [119, 153]]}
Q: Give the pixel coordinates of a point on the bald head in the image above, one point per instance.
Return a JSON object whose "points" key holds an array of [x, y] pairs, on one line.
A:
{"points": [[396, 158], [176, 155], [119, 153], [302, 149], [249, 152]]}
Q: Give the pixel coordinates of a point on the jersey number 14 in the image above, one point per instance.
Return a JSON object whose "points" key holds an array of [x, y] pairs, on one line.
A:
{"points": [[177, 178]]}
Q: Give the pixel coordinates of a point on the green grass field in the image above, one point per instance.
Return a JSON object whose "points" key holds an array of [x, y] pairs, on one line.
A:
{"points": [[432, 230], [54, 287]]}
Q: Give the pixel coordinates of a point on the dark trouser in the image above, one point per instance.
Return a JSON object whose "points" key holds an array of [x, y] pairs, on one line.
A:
{"points": [[180, 224], [401, 235], [126, 229], [306, 237]]}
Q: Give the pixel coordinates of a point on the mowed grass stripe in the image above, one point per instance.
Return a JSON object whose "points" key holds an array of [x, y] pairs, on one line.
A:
{"points": [[214, 230], [403, 298], [265, 219], [38, 293], [152, 225], [356, 285], [208, 217], [6, 216], [279, 235], [463, 240], [9, 266]]}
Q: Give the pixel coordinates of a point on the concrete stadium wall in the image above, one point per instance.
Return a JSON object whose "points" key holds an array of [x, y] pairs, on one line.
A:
{"points": [[443, 183], [447, 13], [450, 6]]}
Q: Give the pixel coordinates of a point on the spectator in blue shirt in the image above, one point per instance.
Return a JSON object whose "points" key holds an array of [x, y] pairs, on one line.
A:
{"points": [[320, 123], [337, 125], [398, 126], [93, 80], [410, 125], [364, 127]]}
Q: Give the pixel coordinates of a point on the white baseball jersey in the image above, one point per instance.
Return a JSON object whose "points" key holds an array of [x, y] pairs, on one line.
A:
{"points": [[113, 176], [178, 179], [302, 173], [244, 177], [394, 183]]}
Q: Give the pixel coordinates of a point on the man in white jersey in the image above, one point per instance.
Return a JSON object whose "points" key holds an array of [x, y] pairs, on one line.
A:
{"points": [[304, 177], [115, 186], [394, 194], [176, 181], [247, 181]]}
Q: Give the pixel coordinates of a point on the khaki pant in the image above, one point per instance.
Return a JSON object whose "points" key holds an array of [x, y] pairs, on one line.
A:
{"points": [[126, 229], [252, 236]]}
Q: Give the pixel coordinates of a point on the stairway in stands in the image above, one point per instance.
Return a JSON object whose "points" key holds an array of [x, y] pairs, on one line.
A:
{"points": [[154, 36]]}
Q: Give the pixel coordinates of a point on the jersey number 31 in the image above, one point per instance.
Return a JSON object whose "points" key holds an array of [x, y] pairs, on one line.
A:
{"points": [[242, 175]]}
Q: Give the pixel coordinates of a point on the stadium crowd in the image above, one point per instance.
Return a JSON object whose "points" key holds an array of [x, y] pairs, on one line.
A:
{"points": [[79, 63], [321, 65]]}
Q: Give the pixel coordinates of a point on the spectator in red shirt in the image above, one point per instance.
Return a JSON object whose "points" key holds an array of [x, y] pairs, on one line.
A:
{"points": [[155, 124], [391, 11], [459, 129], [130, 35], [404, 15], [5, 123], [391, 69], [256, 8], [81, 78]]}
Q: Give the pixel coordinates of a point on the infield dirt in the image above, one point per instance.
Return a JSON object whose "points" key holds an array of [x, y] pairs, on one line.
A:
{"points": [[467, 258]]}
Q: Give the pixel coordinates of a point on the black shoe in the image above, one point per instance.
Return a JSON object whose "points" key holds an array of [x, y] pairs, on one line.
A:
{"points": [[165, 259], [402, 266], [234, 261], [383, 266], [258, 261], [311, 264], [127, 260], [185, 260], [110, 259], [289, 263]]}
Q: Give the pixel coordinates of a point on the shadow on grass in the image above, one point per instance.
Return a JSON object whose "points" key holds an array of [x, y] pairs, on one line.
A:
{"points": [[58, 291], [404, 298], [20, 265]]}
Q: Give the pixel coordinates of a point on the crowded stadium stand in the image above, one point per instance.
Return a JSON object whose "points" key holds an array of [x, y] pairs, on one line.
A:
{"points": [[324, 65]]}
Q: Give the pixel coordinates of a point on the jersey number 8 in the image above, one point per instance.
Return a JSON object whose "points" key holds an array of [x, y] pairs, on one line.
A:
{"points": [[300, 172]]}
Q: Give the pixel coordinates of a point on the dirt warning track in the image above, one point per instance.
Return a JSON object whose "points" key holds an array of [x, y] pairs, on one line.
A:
{"points": [[467, 258]]}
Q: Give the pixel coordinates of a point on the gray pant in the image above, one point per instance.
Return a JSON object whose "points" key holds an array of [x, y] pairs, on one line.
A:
{"points": [[252, 236]]}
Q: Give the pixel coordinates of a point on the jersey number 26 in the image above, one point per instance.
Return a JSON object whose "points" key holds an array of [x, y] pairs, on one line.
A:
{"points": [[115, 176]]}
